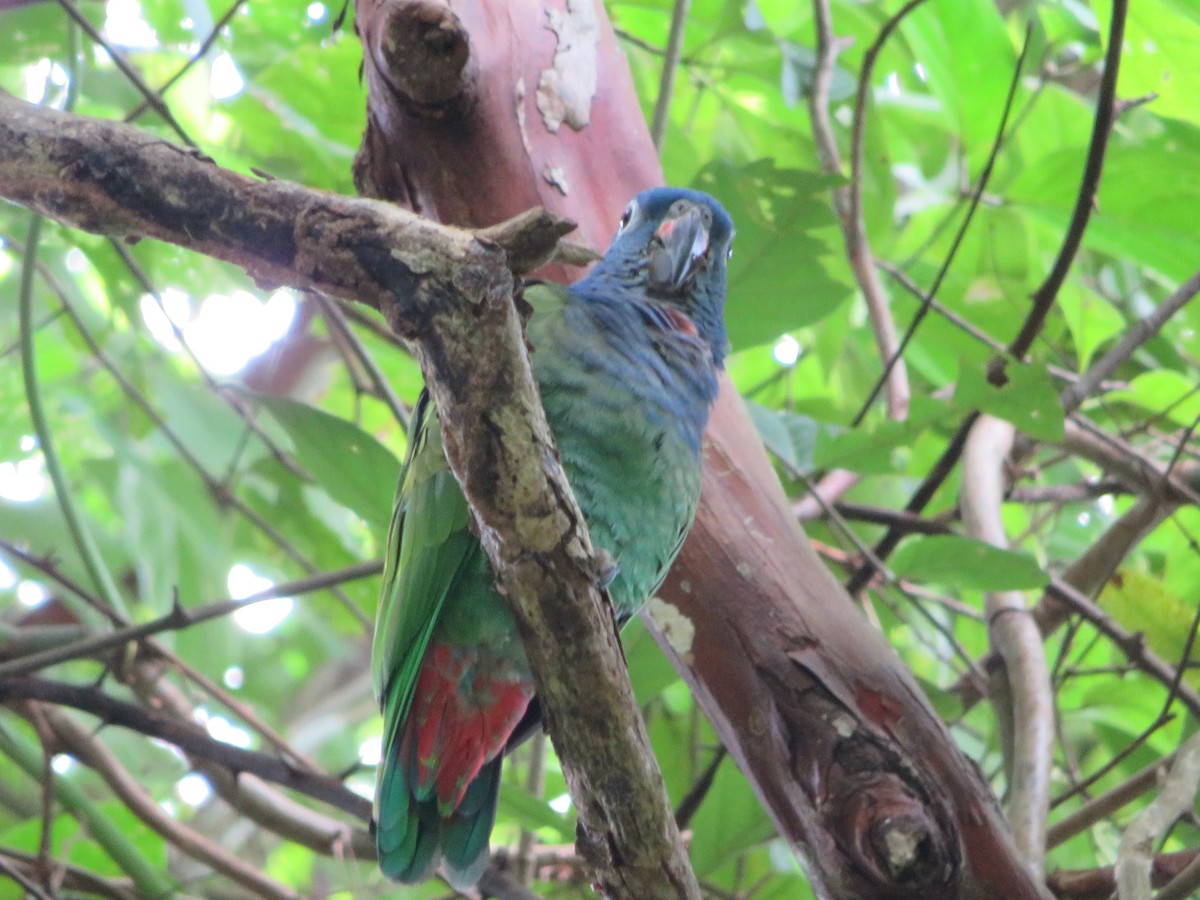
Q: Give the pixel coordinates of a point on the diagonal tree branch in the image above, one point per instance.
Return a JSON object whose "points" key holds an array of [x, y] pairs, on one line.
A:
{"points": [[1022, 693], [92, 753], [450, 293]]}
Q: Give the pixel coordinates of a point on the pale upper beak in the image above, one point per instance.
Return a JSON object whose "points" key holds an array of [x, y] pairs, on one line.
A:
{"points": [[679, 248]]}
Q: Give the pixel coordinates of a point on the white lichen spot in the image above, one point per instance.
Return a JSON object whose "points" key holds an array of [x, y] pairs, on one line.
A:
{"points": [[744, 569], [520, 106], [555, 176], [674, 625], [901, 846], [844, 725], [566, 89]]}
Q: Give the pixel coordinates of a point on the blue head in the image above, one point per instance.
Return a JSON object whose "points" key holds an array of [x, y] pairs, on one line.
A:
{"points": [[672, 247]]}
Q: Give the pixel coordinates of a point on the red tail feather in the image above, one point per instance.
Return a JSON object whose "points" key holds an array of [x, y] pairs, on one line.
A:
{"points": [[467, 704]]}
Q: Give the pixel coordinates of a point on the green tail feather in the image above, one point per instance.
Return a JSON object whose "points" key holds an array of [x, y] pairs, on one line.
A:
{"points": [[465, 834], [406, 832], [411, 838]]}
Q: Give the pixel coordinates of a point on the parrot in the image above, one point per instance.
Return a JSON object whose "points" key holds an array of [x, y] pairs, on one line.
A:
{"points": [[626, 361]]}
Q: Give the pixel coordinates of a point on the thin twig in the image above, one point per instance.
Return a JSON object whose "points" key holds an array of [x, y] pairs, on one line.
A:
{"points": [[127, 69], [850, 215], [670, 66], [976, 195], [203, 49], [73, 877], [1135, 336], [335, 317], [93, 563], [31, 887], [1085, 199], [1130, 643], [180, 618], [252, 797], [1107, 803], [187, 736], [88, 749]]}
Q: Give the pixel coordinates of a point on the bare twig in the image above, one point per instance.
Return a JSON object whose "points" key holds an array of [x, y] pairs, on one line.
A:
{"points": [[188, 737], [1058, 494], [204, 47], [670, 66], [179, 619], [1136, 851], [896, 518], [1131, 644], [1107, 803], [73, 877], [335, 316], [850, 213], [1085, 199], [250, 795], [1136, 335], [88, 749], [1015, 636], [127, 69]]}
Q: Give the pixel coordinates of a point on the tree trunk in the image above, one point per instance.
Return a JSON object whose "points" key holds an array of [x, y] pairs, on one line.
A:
{"points": [[478, 110]]}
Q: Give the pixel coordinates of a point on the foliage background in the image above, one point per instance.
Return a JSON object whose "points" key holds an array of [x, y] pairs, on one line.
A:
{"points": [[184, 471]]}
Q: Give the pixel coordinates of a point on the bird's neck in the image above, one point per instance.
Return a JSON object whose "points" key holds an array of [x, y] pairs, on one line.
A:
{"points": [[701, 306]]}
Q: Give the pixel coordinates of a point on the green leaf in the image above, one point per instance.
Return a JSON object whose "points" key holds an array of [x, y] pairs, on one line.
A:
{"points": [[1027, 399], [780, 277], [881, 447], [729, 821], [967, 564], [1164, 392], [1141, 603], [790, 436], [1091, 319], [349, 464]]}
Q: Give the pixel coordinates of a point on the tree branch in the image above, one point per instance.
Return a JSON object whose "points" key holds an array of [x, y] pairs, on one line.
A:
{"points": [[178, 619], [1024, 696], [1135, 854], [187, 736], [847, 201], [1089, 186], [91, 752], [448, 291]]}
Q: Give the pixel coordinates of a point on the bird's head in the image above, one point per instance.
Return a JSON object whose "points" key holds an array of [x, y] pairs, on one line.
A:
{"points": [[673, 245]]}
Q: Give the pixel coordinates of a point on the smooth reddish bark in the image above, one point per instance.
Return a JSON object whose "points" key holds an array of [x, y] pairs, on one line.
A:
{"points": [[826, 722]]}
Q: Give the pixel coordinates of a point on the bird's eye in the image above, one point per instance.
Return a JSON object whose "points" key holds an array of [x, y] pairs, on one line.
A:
{"points": [[625, 217]]}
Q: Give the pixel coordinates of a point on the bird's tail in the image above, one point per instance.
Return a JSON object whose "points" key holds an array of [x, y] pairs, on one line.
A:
{"points": [[444, 741], [412, 837]]}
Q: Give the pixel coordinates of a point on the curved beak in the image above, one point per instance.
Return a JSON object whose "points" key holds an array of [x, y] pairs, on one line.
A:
{"points": [[679, 248]]}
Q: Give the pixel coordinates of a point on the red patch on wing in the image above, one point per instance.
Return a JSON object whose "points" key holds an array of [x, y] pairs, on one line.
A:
{"points": [[680, 321], [461, 724]]}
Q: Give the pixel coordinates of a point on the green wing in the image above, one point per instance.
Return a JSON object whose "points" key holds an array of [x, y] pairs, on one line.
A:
{"points": [[547, 301], [428, 543]]}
